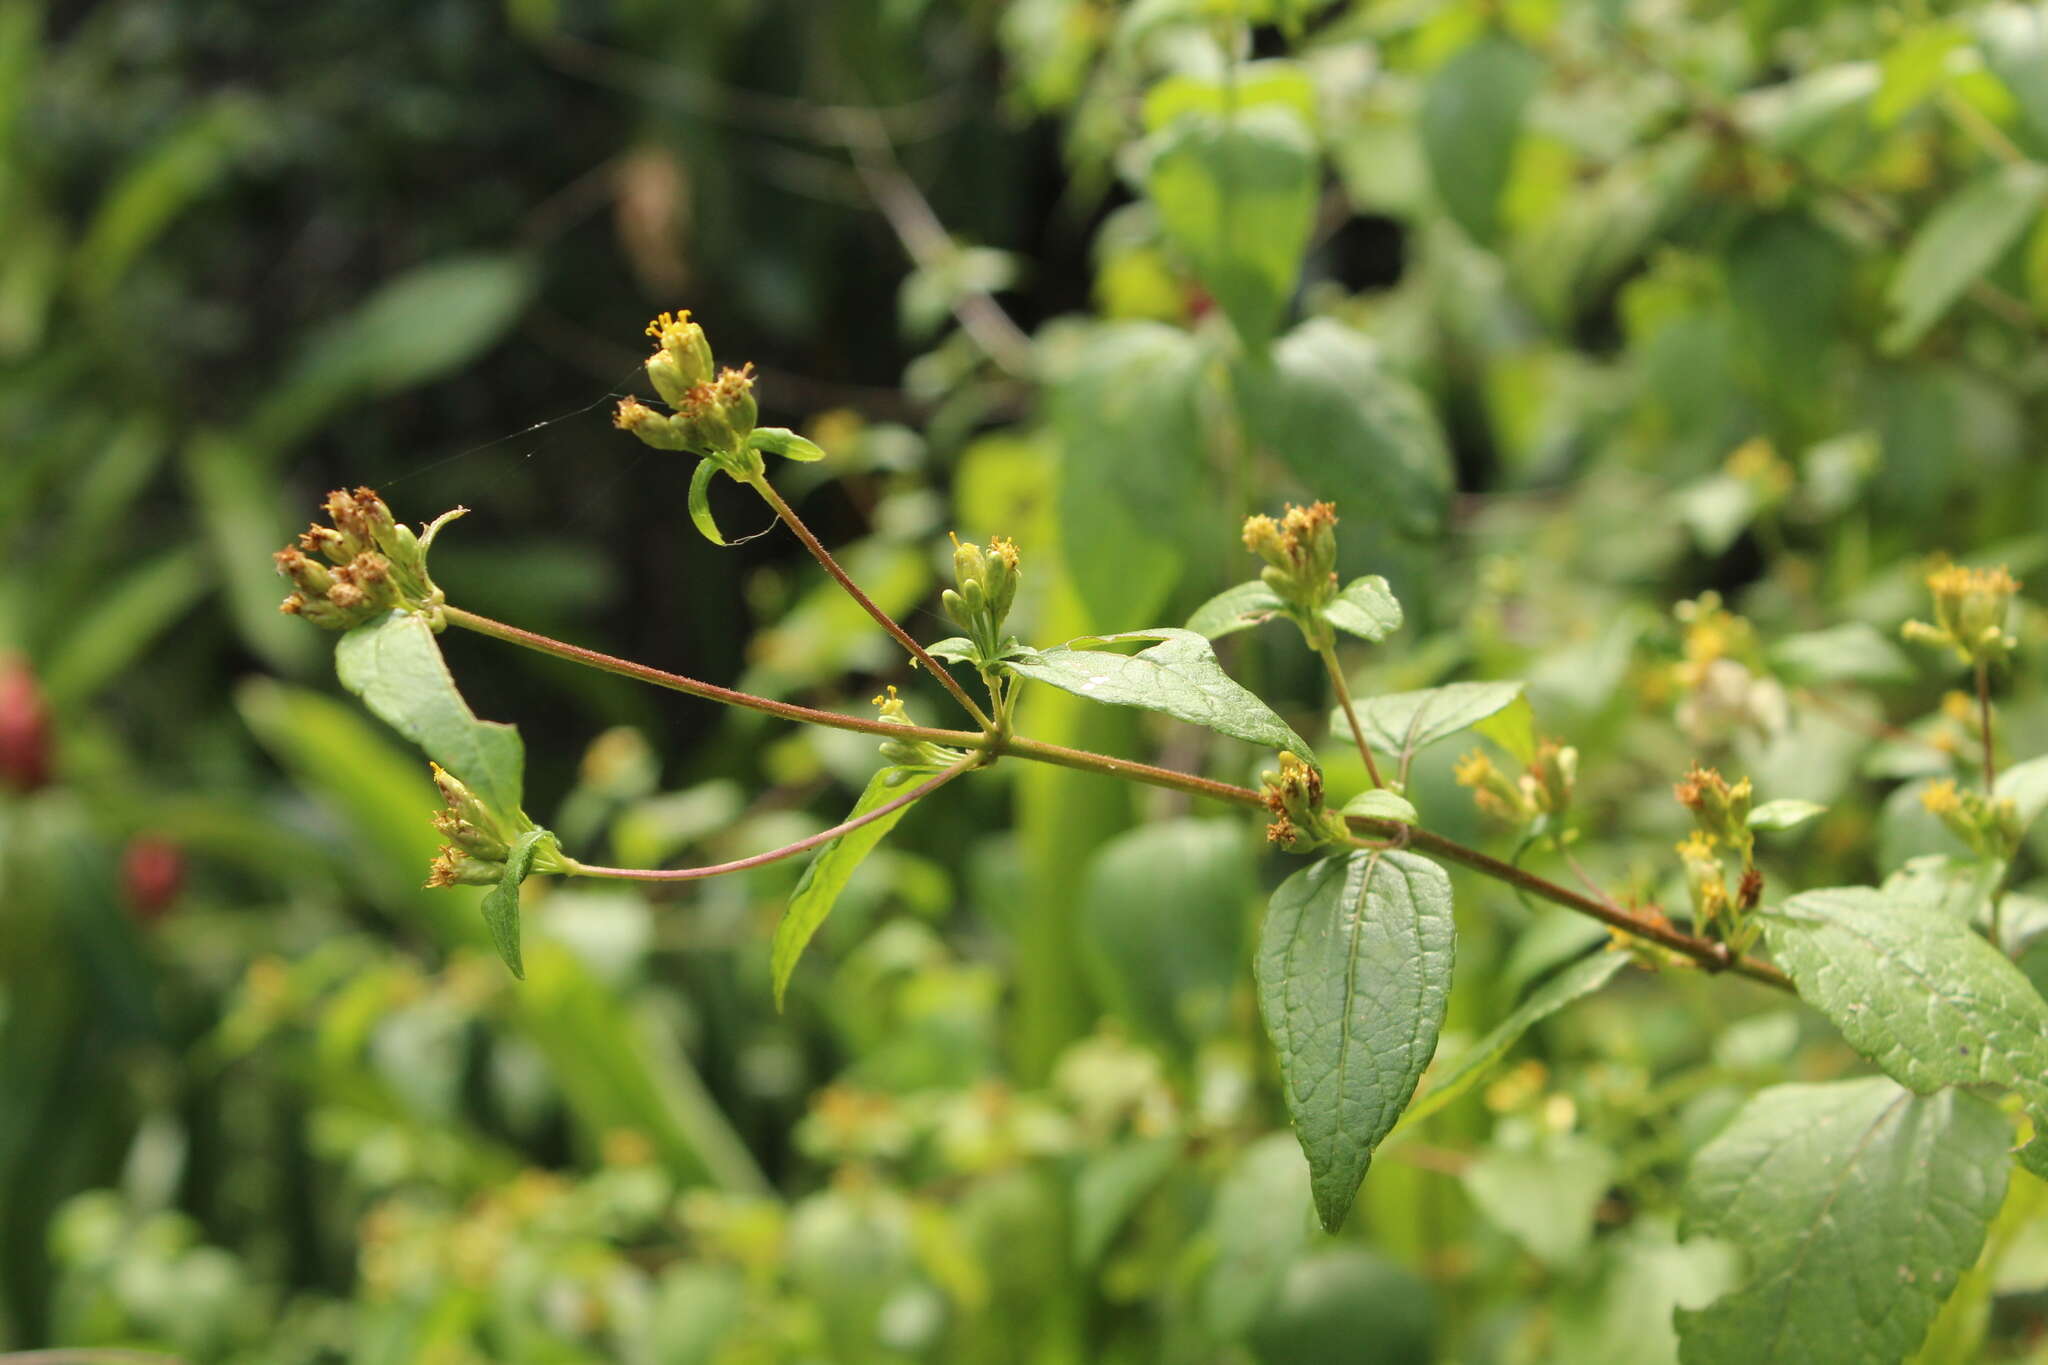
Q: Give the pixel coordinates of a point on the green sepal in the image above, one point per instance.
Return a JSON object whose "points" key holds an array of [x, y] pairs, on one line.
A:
{"points": [[784, 442], [700, 501], [501, 904]]}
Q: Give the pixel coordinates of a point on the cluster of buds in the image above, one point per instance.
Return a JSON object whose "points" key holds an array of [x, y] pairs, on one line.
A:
{"points": [[711, 414], [1971, 609], [911, 753], [1990, 825], [1294, 797], [476, 846], [1300, 550], [984, 587], [1543, 789], [360, 566], [1720, 810]]}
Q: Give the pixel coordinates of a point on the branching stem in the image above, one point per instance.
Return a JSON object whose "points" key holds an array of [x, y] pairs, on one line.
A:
{"points": [[1329, 655]]}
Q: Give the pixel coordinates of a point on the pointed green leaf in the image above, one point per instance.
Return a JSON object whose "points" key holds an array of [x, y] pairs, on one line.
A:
{"points": [[1513, 727], [1575, 982], [2026, 785], [1354, 970], [784, 442], [1403, 722], [1366, 608], [501, 904], [1239, 198], [1858, 1205], [1235, 609], [1381, 804], [1786, 814], [700, 502], [1179, 677], [829, 872], [1916, 991], [395, 666], [1958, 245], [1471, 122]]}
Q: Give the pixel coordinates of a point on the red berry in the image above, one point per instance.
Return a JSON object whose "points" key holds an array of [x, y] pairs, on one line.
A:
{"points": [[24, 728], [152, 872]]}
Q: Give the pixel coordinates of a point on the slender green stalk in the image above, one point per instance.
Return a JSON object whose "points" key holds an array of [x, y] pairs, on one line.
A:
{"points": [[776, 855], [759, 483], [1329, 657], [1984, 724], [989, 746]]}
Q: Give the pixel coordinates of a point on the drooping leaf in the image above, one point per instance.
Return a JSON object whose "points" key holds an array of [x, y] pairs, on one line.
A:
{"points": [[1238, 197], [1962, 240], [1916, 991], [1235, 609], [1404, 722], [1366, 608], [829, 871], [1575, 982], [1471, 122], [784, 442], [700, 502], [501, 903], [395, 666], [1354, 431], [1354, 970], [1858, 1204], [1259, 1224], [1179, 677]]}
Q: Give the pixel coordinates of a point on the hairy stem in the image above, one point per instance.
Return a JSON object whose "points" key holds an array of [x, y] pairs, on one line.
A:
{"points": [[1329, 655], [760, 484], [776, 855], [990, 746]]}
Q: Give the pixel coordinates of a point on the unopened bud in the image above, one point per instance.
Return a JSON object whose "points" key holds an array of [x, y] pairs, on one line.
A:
{"points": [[649, 426]]}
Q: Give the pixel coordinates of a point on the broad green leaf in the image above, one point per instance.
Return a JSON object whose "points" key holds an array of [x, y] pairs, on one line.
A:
{"points": [[1252, 84], [1162, 926], [1110, 1187], [2026, 785], [1852, 652], [501, 903], [1914, 69], [1259, 1225], [1574, 983], [1381, 804], [700, 502], [784, 442], [1471, 122], [1792, 113], [1179, 677], [1354, 969], [1513, 727], [1786, 814], [1235, 609], [1544, 1195], [1959, 243], [1403, 722], [1366, 608], [1351, 428], [1960, 888], [395, 666], [1238, 197], [1917, 992], [829, 872], [1858, 1205]]}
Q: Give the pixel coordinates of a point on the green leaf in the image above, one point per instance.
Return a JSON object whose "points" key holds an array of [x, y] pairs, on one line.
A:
{"points": [[1179, 677], [829, 872], [700, 501], [1354, 969], [1960, 888], [1259, 1225], [1235, 609], [2015, 43], [1858, 1203], [1544, 1195], [1852, 652], [2034, 1155], [1959, 243], [1403, 722], [501, 903], [784, 442], [1786, 814], [1110, 1187], [1381, 804], [1338, 415], [395, 666], [1250, 85], [1574, 983], [2026, 785], [1918, 992], [1513, 727], [1239, 199], [1366, 608], [103, 641], [1470, 123]]}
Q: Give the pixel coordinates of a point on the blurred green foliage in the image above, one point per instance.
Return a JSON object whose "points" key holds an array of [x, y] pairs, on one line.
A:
{"points": [[1576, 312]]}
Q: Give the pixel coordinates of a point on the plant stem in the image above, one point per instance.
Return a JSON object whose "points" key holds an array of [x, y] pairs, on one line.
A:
{"points": [[1329, 655], [760, 484], [990, 746], [1984, 716], [626, 668], [776, 855]]}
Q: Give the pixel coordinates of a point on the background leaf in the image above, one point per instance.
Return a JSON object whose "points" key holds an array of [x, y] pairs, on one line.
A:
{"points": [[1958, 245], [1403, 722], [1470, 123]]}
